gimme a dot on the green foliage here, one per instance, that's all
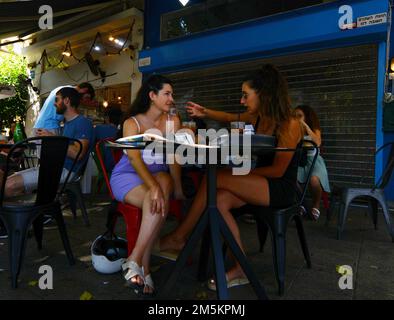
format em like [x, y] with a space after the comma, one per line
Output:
[13, 71]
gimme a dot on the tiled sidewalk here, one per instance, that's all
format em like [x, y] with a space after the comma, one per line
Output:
[369, 252]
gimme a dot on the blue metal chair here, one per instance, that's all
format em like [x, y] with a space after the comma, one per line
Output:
[374, 196]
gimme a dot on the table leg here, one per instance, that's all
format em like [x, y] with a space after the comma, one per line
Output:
[184, 254]
[217, 227]
[220, 272]
[240, 257]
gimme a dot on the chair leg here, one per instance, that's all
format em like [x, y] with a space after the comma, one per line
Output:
[100, 183]
[72, 201]
[373, 211]
[331, 208]
[77, 196]
[17, 233]
[278, 233]
[343, 210]
[262, 232]
[58, 215]
[304, 244]
[38, 230]
[279, 253]
[326, 203]
[386, 215]
[81, 203]
[112, 217]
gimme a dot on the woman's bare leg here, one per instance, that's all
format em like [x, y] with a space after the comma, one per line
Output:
[250, 188]
[316, 191]
[226, 202]
[166, 184]
[176, 239]
[150, 224]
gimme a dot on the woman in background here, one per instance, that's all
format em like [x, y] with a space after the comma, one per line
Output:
[319, 177]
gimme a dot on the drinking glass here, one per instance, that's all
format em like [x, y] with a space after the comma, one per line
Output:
[237, 127]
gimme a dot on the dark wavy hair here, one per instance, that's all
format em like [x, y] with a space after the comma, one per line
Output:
[311, 118]
[273, 92]
[142, 101]
[72, 94]
[90, 88]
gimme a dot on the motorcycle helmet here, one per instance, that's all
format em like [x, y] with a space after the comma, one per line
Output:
[108, 254]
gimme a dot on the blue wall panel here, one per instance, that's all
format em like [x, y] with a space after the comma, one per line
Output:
[300, 30]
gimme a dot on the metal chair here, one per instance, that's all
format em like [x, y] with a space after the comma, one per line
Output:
[276, 221]
[374, 196]
[75, 195]
[18, 215]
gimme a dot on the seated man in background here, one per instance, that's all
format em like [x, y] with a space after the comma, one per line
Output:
[49, 119]
[76, 126]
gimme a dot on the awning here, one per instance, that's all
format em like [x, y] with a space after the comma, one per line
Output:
[20, 18]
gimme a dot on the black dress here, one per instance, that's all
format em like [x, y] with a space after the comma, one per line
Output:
[283, 190]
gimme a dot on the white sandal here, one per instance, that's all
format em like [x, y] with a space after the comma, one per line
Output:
[132, 269]
[148, 282]
[315, 213]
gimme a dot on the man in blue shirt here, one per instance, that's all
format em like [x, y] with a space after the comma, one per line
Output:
[76, 126]
[109, 129]
[48, 118]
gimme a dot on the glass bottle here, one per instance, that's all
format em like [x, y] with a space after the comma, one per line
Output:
[18, 133]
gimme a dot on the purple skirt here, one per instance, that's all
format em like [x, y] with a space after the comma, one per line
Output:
[124, 178]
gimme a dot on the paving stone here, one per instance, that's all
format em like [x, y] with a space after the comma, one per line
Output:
[368, 251]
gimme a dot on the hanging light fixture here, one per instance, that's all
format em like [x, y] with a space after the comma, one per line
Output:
[67, 50]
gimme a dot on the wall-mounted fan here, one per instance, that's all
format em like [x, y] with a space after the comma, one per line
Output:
[94, 66]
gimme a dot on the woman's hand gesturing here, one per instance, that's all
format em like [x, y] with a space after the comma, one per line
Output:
[195, 110]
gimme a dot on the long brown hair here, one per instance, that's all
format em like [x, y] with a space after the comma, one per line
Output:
[311, 118]
[275, 107]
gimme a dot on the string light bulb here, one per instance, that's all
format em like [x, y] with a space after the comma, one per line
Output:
[67, 50]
